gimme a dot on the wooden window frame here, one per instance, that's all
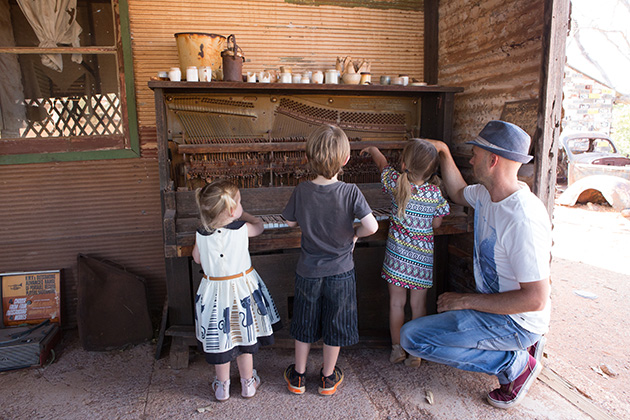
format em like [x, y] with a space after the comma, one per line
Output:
[115, 147]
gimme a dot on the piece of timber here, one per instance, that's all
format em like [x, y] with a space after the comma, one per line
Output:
[277, 238]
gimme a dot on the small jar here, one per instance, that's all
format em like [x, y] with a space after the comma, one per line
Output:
[251, 77]
[305, 79]
[286, 77]
[205, 73]
[366, 79]
[404, 78]
[192, 75]
[386, 80]
[297, 78]
[332, 76]
[318, 77]
[175, 74]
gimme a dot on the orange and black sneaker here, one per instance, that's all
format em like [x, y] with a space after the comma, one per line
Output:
[329, 384]
[296, 382]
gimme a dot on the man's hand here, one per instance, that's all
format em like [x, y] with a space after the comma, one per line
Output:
[451, 301]
[530, 297]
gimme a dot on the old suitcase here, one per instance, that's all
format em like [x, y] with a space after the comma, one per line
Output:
[22, 347]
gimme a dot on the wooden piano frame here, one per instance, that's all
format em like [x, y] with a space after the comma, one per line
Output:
[275, 252]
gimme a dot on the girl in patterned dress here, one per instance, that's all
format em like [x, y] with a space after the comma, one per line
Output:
[234, 312]
[417, 209]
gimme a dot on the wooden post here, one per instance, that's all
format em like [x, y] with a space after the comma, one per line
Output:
[550, 110]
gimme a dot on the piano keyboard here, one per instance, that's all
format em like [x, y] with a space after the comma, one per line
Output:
[276, 221]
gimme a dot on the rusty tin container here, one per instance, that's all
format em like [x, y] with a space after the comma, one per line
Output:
[232, 61]
[200, 49]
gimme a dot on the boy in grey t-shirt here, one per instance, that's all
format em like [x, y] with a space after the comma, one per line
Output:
[325, 304]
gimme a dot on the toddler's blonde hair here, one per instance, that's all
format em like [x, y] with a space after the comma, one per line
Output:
[213, 200]
[421, 163]
[327, 149]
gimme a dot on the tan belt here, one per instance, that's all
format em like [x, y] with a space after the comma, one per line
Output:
[235, 276]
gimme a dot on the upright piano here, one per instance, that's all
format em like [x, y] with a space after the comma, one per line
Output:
[254, 134]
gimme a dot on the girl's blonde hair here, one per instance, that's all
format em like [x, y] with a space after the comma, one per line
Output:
[327, 149]
[213, 200]
[421, 163]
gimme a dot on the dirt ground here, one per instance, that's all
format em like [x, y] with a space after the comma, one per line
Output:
[586, 354]
[590, 331]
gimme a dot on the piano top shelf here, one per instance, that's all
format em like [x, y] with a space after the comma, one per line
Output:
[299, 88]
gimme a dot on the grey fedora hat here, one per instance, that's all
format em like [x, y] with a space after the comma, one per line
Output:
[504, 139]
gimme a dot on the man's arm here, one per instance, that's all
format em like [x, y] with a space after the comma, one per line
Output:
[451, 176]
[379, 159]
[531, 297]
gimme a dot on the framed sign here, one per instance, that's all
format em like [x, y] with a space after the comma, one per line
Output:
[30, 297]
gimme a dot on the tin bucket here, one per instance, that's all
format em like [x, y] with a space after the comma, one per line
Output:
[200, 49]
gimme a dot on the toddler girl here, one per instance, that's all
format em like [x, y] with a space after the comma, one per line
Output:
[234, 312]
[417, 208]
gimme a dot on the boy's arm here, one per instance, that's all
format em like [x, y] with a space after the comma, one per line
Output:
[379, 159]
[255, 225]
[368, 226]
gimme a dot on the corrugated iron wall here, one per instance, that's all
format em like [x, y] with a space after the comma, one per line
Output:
[303, 35]
[110, 209]
[493, 49]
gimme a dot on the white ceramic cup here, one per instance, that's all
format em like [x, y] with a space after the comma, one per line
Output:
[332, 76]
[205, 73]
[192, 75]
[264, 77]
[251, 77]
[174, 74]
[318, 77]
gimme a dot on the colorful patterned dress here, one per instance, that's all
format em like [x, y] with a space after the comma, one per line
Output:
[409, 252]
[234, 312]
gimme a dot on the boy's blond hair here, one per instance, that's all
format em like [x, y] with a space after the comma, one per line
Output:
[213, 200]
[327, 150]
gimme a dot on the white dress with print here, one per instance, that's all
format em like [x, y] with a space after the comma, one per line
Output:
[232, 313]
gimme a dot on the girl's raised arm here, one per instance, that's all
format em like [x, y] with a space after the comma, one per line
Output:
[255, 224]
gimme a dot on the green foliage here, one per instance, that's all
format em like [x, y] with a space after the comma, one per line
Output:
[621, 127]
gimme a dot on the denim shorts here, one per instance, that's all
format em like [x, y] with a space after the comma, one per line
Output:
[326, 307]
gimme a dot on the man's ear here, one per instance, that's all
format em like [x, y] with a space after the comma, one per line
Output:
[347, 159]
[494, 160]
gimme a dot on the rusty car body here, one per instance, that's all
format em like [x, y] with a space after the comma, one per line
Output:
[583, 154]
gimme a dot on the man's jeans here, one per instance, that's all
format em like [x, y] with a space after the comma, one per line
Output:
[470, 340]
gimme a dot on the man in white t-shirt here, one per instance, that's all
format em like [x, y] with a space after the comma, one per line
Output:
[498, 330]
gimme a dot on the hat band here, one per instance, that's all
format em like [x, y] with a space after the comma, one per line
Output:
[486, 143]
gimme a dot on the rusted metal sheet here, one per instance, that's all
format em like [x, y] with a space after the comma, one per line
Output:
[109, 209]
[493, 49]
[276, 33]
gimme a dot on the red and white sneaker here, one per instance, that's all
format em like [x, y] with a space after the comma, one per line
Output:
[509, 395]
[537, 349]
